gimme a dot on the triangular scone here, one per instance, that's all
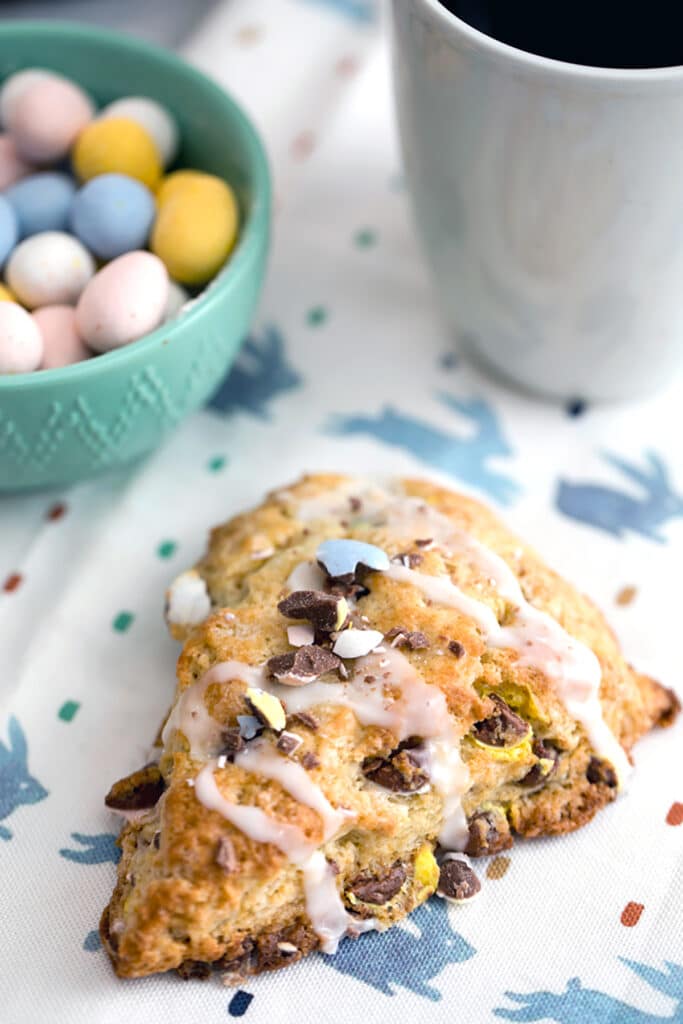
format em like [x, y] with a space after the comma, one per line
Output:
[304, 794]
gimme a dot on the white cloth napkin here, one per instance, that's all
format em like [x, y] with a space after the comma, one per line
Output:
[349, 368]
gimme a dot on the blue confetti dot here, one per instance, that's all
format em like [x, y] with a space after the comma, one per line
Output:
[575, 408]
[239, 1004]
[92, 942]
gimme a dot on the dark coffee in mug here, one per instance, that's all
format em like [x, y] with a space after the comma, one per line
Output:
[599, 33]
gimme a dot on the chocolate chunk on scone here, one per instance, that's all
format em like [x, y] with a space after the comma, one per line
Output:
[375, 683]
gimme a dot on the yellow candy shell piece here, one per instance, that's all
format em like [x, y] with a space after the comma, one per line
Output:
[426, 869]
[116, 145]
[5, 294]
[194, 232]
[187, 181]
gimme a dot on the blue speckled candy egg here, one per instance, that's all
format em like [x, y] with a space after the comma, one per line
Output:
[112, 214]
[9, 229]
[42, 202]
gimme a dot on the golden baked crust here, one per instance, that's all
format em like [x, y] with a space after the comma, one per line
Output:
[193, 889]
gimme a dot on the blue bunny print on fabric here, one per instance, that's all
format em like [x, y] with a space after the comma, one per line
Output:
[397, 958]
[96, 849]
[579, 1005]
[260, 373]
[17, 785]
[462, 456]
[616, 511]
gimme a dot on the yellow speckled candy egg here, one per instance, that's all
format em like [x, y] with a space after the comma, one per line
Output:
[196, 226]
[117, 145]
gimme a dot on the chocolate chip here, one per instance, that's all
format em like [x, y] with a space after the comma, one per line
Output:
[197, 970]
[414, 639]
[355, 503]
[601, 773]
[425, 542]
[303, 665]
[309, 760]
[457, 880]
[249, 726]
[401, 771]
[139, 791]
[377, 888]
[353, 589]
[324, 611]
[225, 855]
[232, 742]
[548, 757]
[305, 718]
[156, 841]
[489, 832]
[456, 648]
[409, 559]
[502, 729]
[288, 742]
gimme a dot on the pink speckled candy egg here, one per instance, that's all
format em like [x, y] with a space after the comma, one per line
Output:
[15, 85]
[46, 118]
[21, 343]
[63, 344]
[12, 167]
[123, 301]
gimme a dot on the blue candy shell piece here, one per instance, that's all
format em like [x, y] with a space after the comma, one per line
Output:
[112, 214]
[42, 202]
[9, 229]
[340, 557]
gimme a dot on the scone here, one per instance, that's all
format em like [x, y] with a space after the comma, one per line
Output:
[376, 683]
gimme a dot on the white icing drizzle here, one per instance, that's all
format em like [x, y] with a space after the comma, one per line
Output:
[188, 599]
[324, 905]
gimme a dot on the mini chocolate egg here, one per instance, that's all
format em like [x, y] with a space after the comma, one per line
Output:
[42, 202]
[9, 229]
[15, 85]
[62, 344]
[177, 297]
[196, 226]
[117, 145]
[49, 269]
[46, 118]
[12, 167]
[125, 300]
[155, 119]
[21, 343]
[6, 294]
[112, 214]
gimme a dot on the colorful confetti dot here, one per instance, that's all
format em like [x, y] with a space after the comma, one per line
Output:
[68, 710]
[497, 867]
[448, 360]
[347, 66]
[316, 315]
[13, 582]
[123, 621]
[167, 549]
[55, 512]
[249, 35]
[626, 595]
[92, 942]
[303, 145]
[217, 463]
[239, 1004]
[365, 238]
[577, 407]
[675, 814]
[630, 915]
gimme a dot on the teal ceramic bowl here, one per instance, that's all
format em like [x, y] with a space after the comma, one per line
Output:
[60, 426]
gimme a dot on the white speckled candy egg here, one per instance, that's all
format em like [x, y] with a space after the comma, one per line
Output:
[155, 119]
[12, 167]
[63, 344]
[15, 85]
[49, 269]
[46, 118]
[124, 301]
[21, 343]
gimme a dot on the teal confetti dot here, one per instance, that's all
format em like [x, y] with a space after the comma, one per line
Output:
[92, 942]
[167, 549]
[123, 622]
[365, 238]
[316, 315]
[68, 710]
[217, 463]
[239, 1004]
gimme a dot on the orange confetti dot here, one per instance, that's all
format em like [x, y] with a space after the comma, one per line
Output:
[630, 915]
[56, 512]
[12, 583]
[675, 815]
[626, 596]
[497, 867]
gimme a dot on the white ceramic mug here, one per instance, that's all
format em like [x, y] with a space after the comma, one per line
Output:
[550, 199]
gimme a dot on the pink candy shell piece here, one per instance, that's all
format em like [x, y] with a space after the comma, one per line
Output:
[21, 343]
[63, 344]
[12, 167]
[47, 117]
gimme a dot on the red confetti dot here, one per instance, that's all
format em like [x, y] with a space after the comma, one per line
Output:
[303, 145]
[675, 815]
[12, 583]
[347, 66]
[56, 512]
[630, 915]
